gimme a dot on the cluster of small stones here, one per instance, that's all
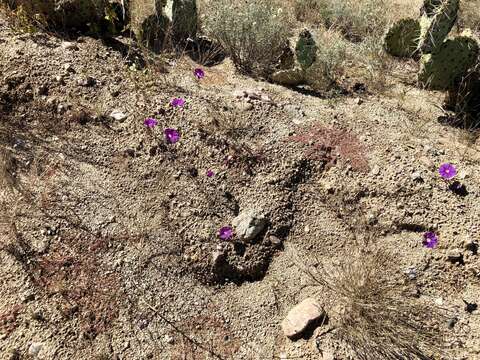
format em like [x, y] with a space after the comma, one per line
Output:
[443, 62]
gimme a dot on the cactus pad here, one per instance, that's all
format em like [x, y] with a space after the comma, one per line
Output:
[402, 38]
[447, 65]
[435, 28]
[306, 49]
[430, 6]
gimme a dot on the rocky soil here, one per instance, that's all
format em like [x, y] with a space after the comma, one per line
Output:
[110, 234]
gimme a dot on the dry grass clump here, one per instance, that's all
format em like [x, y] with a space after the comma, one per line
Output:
[469, 16]
[355, 30]
[253, 33]
[356, 20]
[368, 62]
[331, 58]
[375, 313]
[21, 19]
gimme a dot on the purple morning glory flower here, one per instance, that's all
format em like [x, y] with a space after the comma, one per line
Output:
[430, 240]
[177, 102]
[199, 73]
[225, 233]
[171, 135]
[447, 171]
[210, 173]
[150, 123]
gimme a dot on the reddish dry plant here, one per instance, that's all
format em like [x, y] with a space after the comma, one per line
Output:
[330, 144]
[8, 319]
[85, 291]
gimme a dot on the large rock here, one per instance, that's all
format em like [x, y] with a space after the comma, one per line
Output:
[184, 17]
[66, 14]
[149, 22]
[248, 224]
[301, 316]
[290, 77]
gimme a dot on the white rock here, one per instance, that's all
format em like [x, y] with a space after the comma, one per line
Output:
[68, 67]
[254, 95]
[249, 223]
[375, 170]
[416, 176]
[35, 349]
[302, 315]
[118, 115]
[67, 45]
[244, 106]
[169, 339]
[239, 94]
[439, 301]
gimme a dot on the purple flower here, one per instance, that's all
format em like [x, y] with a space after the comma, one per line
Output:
[210, 173]
[225, 233]
[150, 123]
[430, 240]
[447, 171]
[177, 102]
[199, 73]
[171, 135]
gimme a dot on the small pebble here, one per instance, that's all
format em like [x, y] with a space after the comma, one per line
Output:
[67, 45]
[35, 349]
[169, 339]
[118, 115]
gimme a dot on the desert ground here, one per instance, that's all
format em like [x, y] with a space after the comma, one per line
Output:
[110, 243]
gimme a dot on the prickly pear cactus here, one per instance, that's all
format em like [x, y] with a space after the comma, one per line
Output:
[402, 38]
[436, 22]
[148, 22]
[429, 7]
[305, 56]
[183, 16]
[447, 65]
[306, 49]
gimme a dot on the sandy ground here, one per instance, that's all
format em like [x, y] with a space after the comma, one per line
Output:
[118, 229]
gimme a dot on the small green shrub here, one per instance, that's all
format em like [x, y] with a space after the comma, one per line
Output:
[253, 33]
